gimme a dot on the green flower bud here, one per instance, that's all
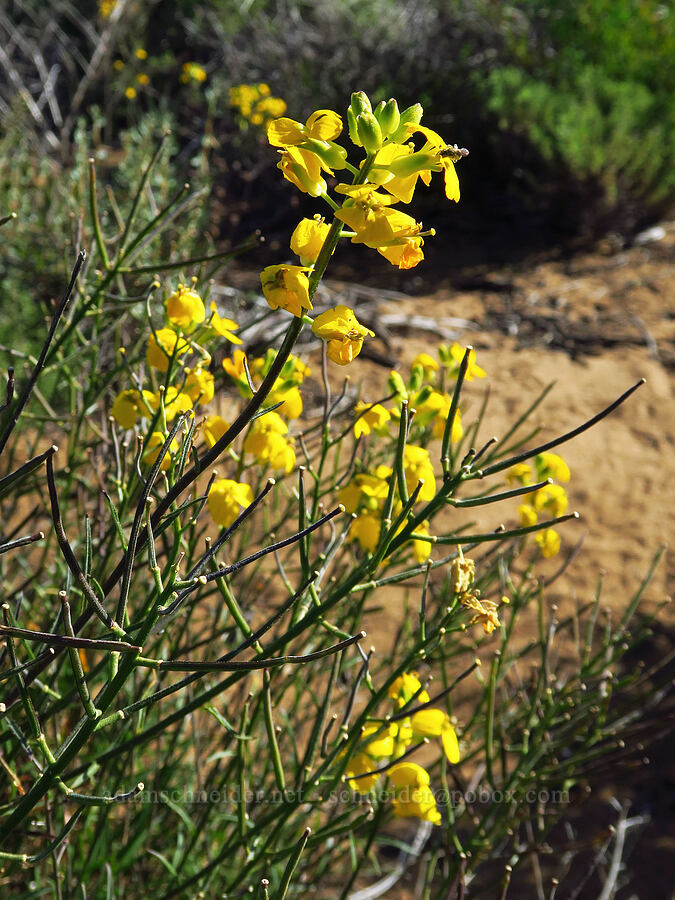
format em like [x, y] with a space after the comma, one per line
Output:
[410, 116]
[328, 152]
[369, 131]
[360, 103]
[353, 130]
[389, 117]
[416, 377]
[414, 162]
[397, 385]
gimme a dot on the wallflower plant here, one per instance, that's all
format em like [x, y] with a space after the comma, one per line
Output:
[190, 705]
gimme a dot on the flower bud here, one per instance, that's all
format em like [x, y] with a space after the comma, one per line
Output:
[369, 131]
[360, 103]
[353, 130]
[397, 385]
[389, 117]
[410, 116]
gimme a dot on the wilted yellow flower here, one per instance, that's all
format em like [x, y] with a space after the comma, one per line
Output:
[154, 445]
[549, 542]
[418, 468]
[213, 429]
[308, 238]
[462, 573]
[129, 406]
[185, 308]
[226, 500]
[224, 327]
[485, 612]
[286, 287]
[267, 441]
[343, 332]
[436, 723]
[199, 385]
[412, 795]
[375, 419]
[168, 345]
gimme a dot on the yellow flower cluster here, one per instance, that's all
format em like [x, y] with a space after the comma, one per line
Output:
[551, 499]
[192, 71]
[409, 782]
[255, 103]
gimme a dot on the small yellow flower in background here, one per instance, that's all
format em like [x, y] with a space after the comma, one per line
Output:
[421, 549]
[224, 327]
[154, 445]
[226, 500]
[375, 419]
[175, 402]
[213, 429]
[192, 71]
[199, 385]
[255, 103]
[412, 795]
[106, 7]
[118, 65]
[286, 287]
[322, 125]
[548, 542]
[433, 407]
[290, 399]
[418, 468]
[452, 357]
[130, 93]
[550, 465]
[140, 53]
[436, 723]
[427, 362]
[552, 498]
[185, 308]
[167, 345]
[343, 332]
[308, 238]
[143, 79]
[129, 406]
[462, 573]
[234, 366]
[365, 491]
[407, 686]
[528, 515]
[485, 612]
[521, 473]
[267, 442]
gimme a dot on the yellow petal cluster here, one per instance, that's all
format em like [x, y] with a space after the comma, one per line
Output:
[185, 308]
[343, 333]
[226, 500]
[286, 287]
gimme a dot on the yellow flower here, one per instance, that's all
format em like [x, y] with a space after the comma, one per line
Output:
[175, 402]
[358, 765]
[235, 369]
[521, 473]
[286, 287]
[343, 332]
[552, 498]
[421, 549]
[436, 723]
[435, 156]
[550, 465]
[454, 356]
[193, 71]
[129, 406]
[290, 399]
[412, 794]
[366, 530]
[141, 53]
[167, 345]
[308, 238]
[407, 686]
[462, 573]
[130, 93]
[322, 125]
[365, 491]
[118, 65]
[303, 169]
[143, 79]
[375, 419]
[224, 327]
[549, 542]
[226, 500]
[528, 515]
[485, 612]
[106, 7]
[267, 442]
[185, 308]
[199, 385]
[432, 406]
[213, 429]
[427, 362]
[154, 445]
[418, 468]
